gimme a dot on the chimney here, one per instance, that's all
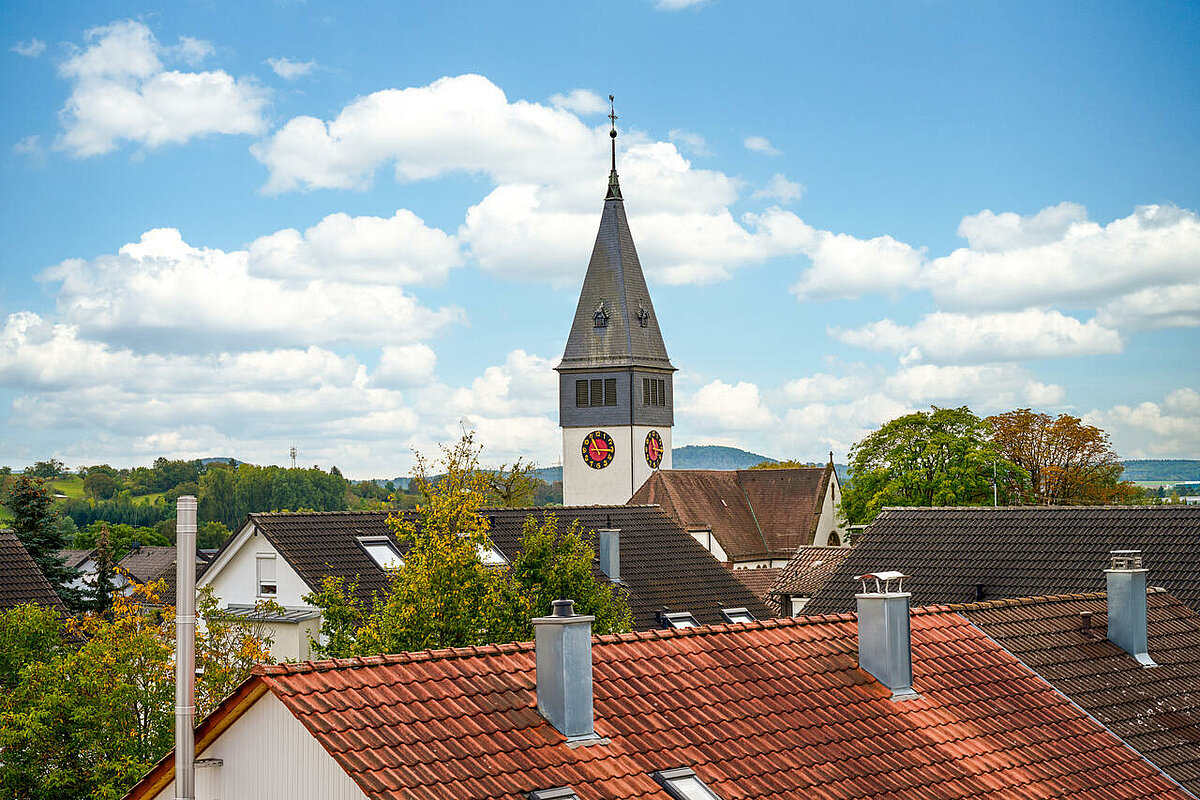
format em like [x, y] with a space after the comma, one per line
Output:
[1127, 605]
[564, 670]
[185, 647]
[884, 639]
[608, 550]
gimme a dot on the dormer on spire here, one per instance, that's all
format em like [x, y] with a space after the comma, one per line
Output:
[614, 188]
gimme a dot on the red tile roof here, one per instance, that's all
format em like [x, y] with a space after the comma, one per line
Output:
[753, 513]
[775, 708]
[1157, 710]
[807, 572]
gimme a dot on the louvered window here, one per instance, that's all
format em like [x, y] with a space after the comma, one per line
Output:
[597, 392]
[662, 393]
[610, 391]
[581, 394]
[645, 391]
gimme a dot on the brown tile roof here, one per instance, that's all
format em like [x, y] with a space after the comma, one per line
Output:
[1156, 710]
[758, 581]
[766, 709]
[809, 569]
[1018, 552]
[20, 579]
[75, 558]
[148, 562]
[661, 565]
[753, 513]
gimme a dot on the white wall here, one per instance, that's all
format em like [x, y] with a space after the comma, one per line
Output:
[237, 581]
[831, 516]
[617, 482]
[268, 755]
[709, 542]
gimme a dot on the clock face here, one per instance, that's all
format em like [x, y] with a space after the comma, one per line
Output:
[598, 449]
[654, 449]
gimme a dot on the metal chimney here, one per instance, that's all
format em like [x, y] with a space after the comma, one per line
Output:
[884, 637]
[1127, 605]
[185, 647]
[564, 670]
[608, 550]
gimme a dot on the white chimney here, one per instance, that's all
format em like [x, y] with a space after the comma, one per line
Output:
[608, 551]
[185, 647]
[884, 637]
[1127, 605]
[564, 670]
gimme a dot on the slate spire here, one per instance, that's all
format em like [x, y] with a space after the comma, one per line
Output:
[615, 324]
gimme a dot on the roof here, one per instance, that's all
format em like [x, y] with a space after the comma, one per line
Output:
[758, 581]
[765, 709]
[1156, 711]
[1018, 552]
[74, 559]
[20, 579]
[809, 569]
[148, 562]
[254, 614]
[615, 283]
[661, 565]
[753, 513]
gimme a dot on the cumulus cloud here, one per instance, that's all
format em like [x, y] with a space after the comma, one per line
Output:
[694, 143]
[580, 101]
[761, 145]
[163, 293]
[1170, 429]
[990, 232]
[289, 69]
[677, 5]
[728, 407]
[948, 338]
[1155, 307]
[121, 91]
[399, 250]
[31, 49]
[781, 189]
[402, 366]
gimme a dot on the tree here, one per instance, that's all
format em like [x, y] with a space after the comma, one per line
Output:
[34, 522]
[218, 496]
[100, 485]
[936, 458]
[511, 487]
[444, 595]
[1067, 461]
[789, 464]
[51, 468]
[101, 593]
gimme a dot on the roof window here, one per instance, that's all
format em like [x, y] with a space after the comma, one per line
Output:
[561, 793]
[679, 619]
[737, 615]
[382, 551]
[684, 784]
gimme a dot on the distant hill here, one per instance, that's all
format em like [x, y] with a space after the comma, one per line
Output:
[712, 456]
[1161, 469]
[221, 460]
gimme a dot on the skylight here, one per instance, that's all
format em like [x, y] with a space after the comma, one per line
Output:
[679, 619]
[561, 793]
[382, 551]
[684, 784]
[737, 615]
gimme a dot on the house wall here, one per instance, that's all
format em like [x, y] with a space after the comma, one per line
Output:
[617, 482]
[289, 641]
[237, 581]
[709, 542]
[831, 516]
[267, 755]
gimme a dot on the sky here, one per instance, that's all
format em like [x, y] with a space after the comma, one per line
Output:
[360, 229]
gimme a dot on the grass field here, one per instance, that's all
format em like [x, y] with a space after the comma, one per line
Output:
[70, 485]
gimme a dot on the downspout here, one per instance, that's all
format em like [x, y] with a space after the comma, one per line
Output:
[185, 648]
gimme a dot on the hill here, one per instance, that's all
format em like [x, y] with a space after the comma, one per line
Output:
[1161, 469]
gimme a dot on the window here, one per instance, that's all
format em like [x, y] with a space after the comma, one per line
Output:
[266, 576]
[382, 551]
[662, 392]
[737, 615]
[798, 604]
[596, 392]
[645, 391]
[654, 392]
[679, 619]
[561, 793]
[684, 784]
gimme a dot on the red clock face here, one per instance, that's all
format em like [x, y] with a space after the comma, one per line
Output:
[598, 449]
[654, 449]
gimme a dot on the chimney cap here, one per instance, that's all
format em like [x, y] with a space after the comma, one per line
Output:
[1126, 559]
[883, 581]
[563, 608]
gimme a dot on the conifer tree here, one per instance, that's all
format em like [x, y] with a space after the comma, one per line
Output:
[34, 521]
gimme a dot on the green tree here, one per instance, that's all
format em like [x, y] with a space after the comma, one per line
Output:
[218, 496]
[120, 537]
[100, 485]
[100, 598]
[34, 522]
[51, 468]
[937, 458]
[511, 486]
[28, 633]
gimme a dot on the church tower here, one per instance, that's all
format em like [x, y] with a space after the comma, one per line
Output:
[616, 404]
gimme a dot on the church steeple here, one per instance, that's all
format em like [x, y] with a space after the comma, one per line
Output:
[614, 188]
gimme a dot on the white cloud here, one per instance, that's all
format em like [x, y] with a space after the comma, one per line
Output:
[760, 144]
[121, 91]
[290, 70]
[781, 189]
[580, 101]
[694, 143]
[162, 293]
[986, 388]
[1157, 307]
[725, 407]
[677, 5]
[192, 51]
[845, 266]
[29, 146]
[991, 232]
[947, 338]
[31, 49]
[398, 251]
[1170, 429]
[402, 366]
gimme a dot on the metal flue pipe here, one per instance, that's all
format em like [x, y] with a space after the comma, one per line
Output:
[185, 648]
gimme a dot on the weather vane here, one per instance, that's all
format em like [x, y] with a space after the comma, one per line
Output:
[612, 115]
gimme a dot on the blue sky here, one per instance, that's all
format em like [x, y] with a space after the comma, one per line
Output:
[232, 228]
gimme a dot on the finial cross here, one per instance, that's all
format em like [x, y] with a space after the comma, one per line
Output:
[612, 112]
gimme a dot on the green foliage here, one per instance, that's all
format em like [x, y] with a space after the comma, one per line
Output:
[100, 485]
[35, 523]
[511, 486]
[228, 495]
[937, 458]
[444, 595]
[789, 464]
[120, 538]
[28, 633]
[50, 468]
